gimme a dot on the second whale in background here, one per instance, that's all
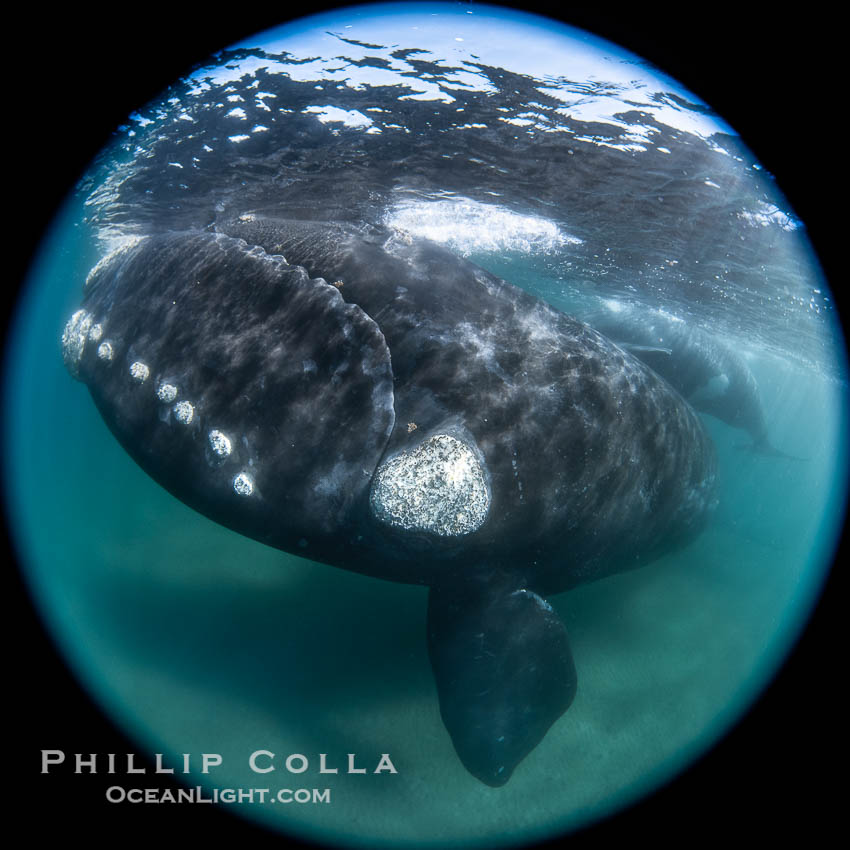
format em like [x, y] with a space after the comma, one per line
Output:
[710, 375]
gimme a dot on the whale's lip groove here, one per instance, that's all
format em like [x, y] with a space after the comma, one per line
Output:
[349, 308]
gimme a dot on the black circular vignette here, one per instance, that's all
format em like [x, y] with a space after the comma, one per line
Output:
[73, 76]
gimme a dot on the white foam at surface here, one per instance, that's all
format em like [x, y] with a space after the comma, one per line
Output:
[469, 226]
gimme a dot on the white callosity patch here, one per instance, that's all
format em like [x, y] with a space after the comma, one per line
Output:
[220, 443]
[438, 487]
[139, 371]
[184, 412]
[74, 338]
[118, 245]
[105, 351]
[95, 332]
[243, 485]
[166, 392]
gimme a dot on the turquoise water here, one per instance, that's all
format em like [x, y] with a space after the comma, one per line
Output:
[199, 640]
[196, 640]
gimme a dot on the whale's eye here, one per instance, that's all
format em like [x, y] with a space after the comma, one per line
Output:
[439, 487]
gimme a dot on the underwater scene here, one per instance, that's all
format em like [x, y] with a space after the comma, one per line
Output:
[451, 414]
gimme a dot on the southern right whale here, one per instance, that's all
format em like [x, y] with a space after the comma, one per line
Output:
[368, 400]
[712, 377]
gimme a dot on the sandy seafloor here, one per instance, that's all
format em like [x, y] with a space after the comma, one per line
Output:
[198, 640]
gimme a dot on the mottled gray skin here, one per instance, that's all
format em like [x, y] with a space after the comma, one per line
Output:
[713, 378]
[330, 357]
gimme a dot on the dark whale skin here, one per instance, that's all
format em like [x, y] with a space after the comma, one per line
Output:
[713, 378]
[322, 354]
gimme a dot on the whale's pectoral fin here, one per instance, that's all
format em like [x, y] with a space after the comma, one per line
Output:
[504, 674]
[763, 447]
